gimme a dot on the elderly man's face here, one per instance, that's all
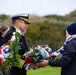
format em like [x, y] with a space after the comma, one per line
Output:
[23, 26]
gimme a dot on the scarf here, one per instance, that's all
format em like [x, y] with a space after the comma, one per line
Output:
[61, 50]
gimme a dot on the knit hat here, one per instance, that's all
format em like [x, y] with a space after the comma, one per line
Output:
[71, 29]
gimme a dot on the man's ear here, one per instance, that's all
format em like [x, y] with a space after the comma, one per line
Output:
[18, 22]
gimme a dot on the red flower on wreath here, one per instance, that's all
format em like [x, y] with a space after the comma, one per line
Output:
[7, 43]
[48, 52]
[11, 36]
[0, 50]
[29, 59]
[1, 60]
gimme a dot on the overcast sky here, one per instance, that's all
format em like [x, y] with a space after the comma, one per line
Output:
[37, 7]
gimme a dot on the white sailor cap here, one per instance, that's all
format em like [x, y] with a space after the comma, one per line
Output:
[22, 16]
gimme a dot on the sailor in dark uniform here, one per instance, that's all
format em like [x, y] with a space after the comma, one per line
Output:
[19, 22]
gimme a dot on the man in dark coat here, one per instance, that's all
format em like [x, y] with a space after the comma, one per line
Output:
[20, 23]
[68, 60]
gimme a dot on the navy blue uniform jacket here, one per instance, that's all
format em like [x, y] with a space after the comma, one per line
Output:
[68, 60]
[24, 48]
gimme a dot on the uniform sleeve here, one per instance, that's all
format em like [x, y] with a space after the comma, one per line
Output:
[68, 55]
[23, 65]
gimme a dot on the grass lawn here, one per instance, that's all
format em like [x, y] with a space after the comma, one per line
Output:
[45, 71]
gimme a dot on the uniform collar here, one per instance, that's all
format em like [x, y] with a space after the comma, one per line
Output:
[18, 30]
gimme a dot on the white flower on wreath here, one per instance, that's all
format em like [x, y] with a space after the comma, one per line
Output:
[17, 30]
[1, 56]
[13, 37]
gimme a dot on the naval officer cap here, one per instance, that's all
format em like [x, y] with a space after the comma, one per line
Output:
[23, 16]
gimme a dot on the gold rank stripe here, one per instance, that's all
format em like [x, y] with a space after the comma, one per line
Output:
[23, 18]
[21, 63]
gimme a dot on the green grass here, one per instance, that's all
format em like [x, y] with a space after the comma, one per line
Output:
[44, 71]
